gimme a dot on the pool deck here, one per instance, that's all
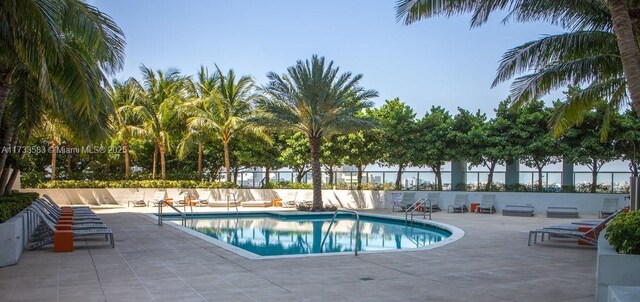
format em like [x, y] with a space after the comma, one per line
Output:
[492, 262]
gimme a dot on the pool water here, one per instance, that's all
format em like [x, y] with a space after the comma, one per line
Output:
[271, 234]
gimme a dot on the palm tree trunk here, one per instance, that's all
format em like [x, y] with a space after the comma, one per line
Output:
[316, 173]
[125, 148]
[4, 90]
[12, 179]
[199, 161]
[399, 177]
[54, 154]
[155, 161]
[6, 143]
[4, 177]
[161, 149]
[67, 165]
[227, 161]
[267, 170]
[627, 44]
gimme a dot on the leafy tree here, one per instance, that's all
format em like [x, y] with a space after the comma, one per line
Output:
[531, 133]
[490, 143]
[257, 150]
[318, 101]
[296, 155]
[363, 148]
[332, 154]
[627, 137]
[431, 146]
[583, 144]
[459, 136]
[397, 128]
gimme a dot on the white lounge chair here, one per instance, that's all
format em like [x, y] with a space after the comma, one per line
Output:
[434, 198]
[459, 204]
[408, 198]
[487, 204]
[137, 200]
[158, 197]
[609, 206]
[290, 200]
[203, 199]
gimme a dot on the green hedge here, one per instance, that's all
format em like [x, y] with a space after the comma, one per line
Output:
[14, 203]
[624, 233]
[75, 184]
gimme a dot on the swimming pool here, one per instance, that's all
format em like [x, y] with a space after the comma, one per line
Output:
[280, 234]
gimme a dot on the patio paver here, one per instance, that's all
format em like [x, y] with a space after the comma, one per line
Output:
[492, 262]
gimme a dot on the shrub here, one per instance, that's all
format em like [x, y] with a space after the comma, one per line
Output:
[14, 203]
[624, 233]
[287, 185]
[74, 184]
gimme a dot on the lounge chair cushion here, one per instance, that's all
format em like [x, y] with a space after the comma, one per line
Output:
[562, 212]
[257, 203]
[223, 203]
[511, 210]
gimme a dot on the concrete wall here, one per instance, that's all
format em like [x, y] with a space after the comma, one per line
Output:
[613, 269]
[585, 202]
[14, 236]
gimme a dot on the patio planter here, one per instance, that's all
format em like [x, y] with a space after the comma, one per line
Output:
[14, 236]
[613, 269]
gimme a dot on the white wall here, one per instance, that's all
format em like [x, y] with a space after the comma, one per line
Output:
[585, 202]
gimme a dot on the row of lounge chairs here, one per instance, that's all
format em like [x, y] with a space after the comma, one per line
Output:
[586, 231]
[208, 199]
[487, 205]
[85, 223]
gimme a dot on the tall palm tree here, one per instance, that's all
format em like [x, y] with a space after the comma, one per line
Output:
[123, 120]
[616, 17]
[163, 92]
[231, 107]
[316, 100]
[203, 92]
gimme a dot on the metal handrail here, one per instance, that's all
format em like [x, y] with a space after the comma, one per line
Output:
[184, 216]
[415, 206]
[335, 214]
[235, 201]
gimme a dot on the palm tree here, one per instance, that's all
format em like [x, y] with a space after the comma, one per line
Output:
[124, 96]
[66, 45]
[199, 112]
[163, 92]
[316, 100]
[234, 107]
[615, 17]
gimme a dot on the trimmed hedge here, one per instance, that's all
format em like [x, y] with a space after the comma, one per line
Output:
[624, 233]
[14, 203]
[185, 184]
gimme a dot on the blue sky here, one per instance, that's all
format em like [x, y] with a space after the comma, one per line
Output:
[433, 62]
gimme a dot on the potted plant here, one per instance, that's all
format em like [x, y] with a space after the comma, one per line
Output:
[618, 262]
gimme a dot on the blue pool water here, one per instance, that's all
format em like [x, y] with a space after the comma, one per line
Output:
[271, 234]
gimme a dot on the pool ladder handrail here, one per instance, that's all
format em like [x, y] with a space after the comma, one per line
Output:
[335, 215]
[415, 207]
[235, 201]
[184, 216]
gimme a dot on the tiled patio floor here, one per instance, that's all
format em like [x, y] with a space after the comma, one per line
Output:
[492, 262]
